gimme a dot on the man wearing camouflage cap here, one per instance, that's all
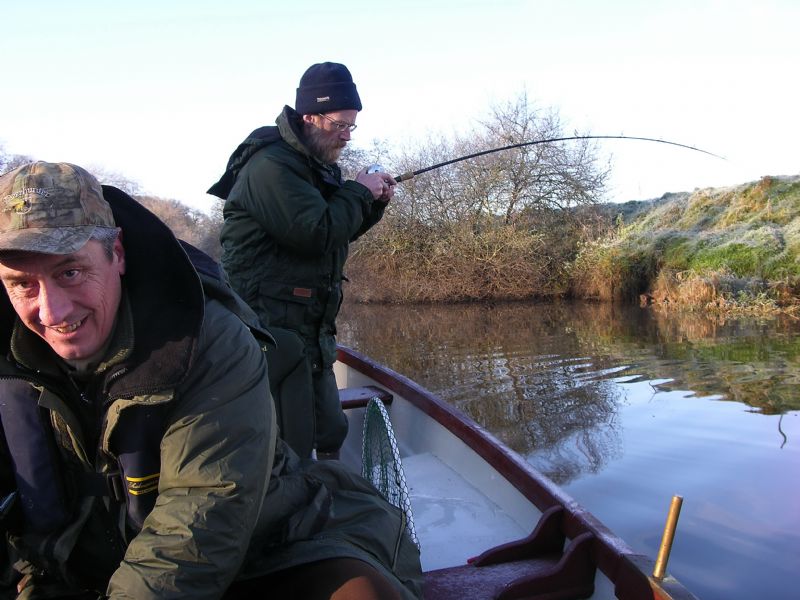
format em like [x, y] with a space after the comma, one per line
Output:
[138, 450]
[289, 219]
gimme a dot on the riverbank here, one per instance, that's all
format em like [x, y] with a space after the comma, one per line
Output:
[733, 250]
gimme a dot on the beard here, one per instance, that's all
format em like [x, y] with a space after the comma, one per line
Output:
[321, 145]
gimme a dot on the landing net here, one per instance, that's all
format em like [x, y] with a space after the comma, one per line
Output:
[380, 461]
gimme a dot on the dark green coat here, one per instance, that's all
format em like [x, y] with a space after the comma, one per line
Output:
[230, 502]
[288, 222]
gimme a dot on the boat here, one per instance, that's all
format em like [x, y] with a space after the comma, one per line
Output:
[489, 525]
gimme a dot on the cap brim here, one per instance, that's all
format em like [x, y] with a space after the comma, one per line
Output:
[47, 240]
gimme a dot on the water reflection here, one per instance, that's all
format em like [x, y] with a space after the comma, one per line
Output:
[625, 407]
[544, 377]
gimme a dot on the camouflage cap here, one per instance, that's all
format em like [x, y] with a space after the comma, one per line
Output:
[52, 208]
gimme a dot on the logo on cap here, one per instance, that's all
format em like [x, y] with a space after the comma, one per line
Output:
[324, 99]
[20, 201]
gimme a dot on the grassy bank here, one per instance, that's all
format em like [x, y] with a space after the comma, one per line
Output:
[733, 249]
[730, 250]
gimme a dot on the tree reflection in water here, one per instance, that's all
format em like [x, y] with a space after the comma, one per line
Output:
[544, 377]
[625, 407]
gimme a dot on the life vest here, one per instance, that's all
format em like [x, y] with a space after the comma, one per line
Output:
[49, 489]
[40, 488]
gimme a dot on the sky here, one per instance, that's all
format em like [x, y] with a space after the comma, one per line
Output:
[162, 91]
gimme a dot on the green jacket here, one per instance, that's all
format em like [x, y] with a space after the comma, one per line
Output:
[289, 219]
[186, 383]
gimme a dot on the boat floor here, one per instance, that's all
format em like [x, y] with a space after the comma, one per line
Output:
[456, 522]
[453, 520]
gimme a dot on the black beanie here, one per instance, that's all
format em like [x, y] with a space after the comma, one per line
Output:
[326, 87]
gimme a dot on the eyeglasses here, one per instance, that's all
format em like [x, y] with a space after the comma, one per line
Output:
[339, 125]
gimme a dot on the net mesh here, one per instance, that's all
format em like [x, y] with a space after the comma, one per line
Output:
[380, 461]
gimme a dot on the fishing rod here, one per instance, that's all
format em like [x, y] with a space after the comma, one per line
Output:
[411, 174]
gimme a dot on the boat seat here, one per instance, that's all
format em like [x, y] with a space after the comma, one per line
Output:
[358, 397]
[547, 575]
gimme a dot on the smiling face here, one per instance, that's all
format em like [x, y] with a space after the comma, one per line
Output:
[70, 300]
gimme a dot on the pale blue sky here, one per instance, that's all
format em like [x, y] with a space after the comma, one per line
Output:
[163, 91]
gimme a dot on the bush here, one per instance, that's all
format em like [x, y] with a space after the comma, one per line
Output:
[725, 249]
[452, 264]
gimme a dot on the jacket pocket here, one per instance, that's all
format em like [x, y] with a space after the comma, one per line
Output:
[288, 305]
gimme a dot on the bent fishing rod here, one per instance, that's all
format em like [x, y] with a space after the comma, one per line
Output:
[412, 174]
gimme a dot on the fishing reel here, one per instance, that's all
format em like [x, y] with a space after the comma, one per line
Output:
[397, 178]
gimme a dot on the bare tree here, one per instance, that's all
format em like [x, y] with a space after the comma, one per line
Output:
[187, 224]
[9, 162]
[354, 158]
[497, 226]
[217, 210]
[439, 197]
[507, 184]
[118, 180]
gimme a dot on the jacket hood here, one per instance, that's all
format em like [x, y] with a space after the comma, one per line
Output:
[288, 128]
[165, 295]
[290, 125]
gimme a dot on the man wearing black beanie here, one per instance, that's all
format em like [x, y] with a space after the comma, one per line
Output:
[289, 219]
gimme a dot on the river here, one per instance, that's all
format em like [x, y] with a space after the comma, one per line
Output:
[625, 407]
